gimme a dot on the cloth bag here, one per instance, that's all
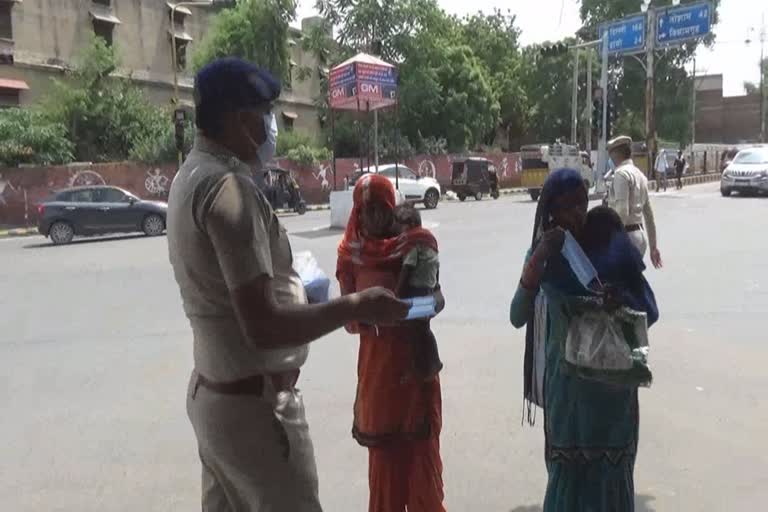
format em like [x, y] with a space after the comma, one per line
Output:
[316, 282]
[606, 345]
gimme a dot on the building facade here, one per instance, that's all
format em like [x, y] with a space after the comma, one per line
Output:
[40, 39]
[723, 119]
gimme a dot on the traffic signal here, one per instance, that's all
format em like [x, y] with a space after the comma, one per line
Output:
[597, 118]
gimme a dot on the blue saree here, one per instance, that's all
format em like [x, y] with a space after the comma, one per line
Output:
[591, 429]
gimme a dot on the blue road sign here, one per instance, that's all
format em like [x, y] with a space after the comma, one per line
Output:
[679, 24]
[626, 35]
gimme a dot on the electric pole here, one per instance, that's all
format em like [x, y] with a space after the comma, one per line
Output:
[650, 92]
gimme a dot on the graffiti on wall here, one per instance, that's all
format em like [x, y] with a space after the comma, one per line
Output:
[85, 178]
[427, 169]
[156, 183]
[322, 177]
[6, 188]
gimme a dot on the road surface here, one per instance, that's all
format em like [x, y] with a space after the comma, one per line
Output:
[95, 355]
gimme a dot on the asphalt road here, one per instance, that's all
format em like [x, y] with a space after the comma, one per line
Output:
[95, 355]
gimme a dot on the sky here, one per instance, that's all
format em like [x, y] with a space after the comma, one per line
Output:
[551, 20]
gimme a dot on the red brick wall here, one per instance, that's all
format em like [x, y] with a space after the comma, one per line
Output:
[22, 189]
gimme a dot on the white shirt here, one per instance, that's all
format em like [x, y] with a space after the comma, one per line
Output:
[661, 163]
[629, 198]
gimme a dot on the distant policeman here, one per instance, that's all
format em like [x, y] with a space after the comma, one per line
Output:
[629, 196]
[247, 307]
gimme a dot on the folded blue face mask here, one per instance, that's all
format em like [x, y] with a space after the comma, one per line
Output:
[579, 262]
[421, 307]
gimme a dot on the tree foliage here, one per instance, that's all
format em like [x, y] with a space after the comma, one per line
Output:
[105, 116]
[256, 30]
[28, 136]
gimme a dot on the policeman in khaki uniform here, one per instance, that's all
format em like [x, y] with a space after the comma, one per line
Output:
[249, 315]
[629, 197]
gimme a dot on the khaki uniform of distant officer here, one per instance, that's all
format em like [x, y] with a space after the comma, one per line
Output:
[629, 197]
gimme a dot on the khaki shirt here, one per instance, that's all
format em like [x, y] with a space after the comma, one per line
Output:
[222, 234]
[629, 197]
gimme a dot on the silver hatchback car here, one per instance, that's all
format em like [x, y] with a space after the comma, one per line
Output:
[747, 173]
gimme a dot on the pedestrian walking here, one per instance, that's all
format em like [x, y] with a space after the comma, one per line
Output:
[247, 307]
[398, 408]
[661, 168]
[590, 428]
[628, 195]
[680, 166]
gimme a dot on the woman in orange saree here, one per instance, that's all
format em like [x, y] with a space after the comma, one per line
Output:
[397, 416]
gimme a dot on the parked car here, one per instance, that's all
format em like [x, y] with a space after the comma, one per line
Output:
[88, 211]
[747, 173]
[414, 188]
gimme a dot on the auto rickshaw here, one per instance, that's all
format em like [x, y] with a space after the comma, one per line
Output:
[474, 177]
[282, 191]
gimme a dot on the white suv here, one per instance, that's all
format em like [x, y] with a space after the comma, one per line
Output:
[414, 188]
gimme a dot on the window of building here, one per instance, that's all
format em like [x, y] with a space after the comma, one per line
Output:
[288, 120]
[178, 15]
[6, 20]
[104, 30]
[9, 98]
[181, 53]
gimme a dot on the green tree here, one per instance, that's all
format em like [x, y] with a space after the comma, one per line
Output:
[446, 93]
[494, 38]
[256, 30]
[105, 115]
[27, 136]
[548, 85]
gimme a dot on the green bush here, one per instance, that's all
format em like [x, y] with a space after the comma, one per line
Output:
[161, 147]
[308, 155]
[27, 136]
[286, 141]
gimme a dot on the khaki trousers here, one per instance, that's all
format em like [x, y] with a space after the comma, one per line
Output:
[256, 452]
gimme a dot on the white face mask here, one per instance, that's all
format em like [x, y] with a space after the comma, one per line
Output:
[265, 151]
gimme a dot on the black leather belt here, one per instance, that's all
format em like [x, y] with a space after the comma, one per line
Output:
[250, 385]
[633, 227]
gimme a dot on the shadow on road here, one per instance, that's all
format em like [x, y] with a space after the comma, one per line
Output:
[81, 241]
[642, 504]
[318, 233]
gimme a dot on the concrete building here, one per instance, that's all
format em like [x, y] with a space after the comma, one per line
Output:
[39, 39]
[725, 120]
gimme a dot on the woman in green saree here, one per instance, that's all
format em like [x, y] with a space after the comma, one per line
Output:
[591, 429]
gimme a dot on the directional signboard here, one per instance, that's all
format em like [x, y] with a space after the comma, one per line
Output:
[673, 26]
[625, 36]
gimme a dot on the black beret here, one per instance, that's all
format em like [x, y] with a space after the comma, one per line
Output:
[232, 83]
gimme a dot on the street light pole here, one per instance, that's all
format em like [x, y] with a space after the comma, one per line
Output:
[174, 57]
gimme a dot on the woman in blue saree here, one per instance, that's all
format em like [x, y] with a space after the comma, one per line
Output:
[591, 429]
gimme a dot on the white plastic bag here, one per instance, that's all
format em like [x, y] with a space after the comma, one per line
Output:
[609, 346]
[315, 281]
